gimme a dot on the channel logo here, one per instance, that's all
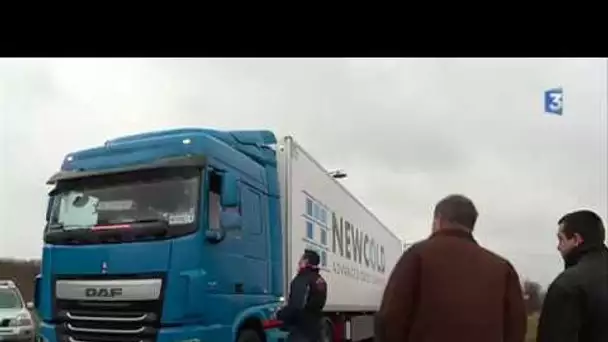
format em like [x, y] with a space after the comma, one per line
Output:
[554, 101]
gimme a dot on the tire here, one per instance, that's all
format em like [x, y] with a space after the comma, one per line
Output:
[249, 335]
[327, 331]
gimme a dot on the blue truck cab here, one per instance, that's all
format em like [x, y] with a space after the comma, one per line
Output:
[164, 236]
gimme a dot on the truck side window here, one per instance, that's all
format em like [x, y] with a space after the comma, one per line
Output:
[215, 208]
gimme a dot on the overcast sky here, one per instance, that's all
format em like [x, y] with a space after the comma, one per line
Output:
[407, 132]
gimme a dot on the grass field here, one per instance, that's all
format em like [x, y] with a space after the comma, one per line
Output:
[532, 323]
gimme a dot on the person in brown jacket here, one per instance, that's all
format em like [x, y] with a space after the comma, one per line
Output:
[449, 288]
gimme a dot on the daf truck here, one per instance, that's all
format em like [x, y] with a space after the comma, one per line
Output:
[193, 235]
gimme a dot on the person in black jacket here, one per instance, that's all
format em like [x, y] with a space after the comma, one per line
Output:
[576, 305]
[303, 314]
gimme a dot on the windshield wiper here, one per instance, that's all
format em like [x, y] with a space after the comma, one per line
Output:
[145, 220]
[58, 232]
[153, 227]
[63, 227]
[109, 232]
[136, 228]
[55, 226]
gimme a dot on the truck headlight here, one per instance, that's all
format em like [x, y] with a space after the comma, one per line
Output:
[22, 320]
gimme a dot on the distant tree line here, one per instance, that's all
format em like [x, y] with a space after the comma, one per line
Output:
[534, 296]
[22, 272]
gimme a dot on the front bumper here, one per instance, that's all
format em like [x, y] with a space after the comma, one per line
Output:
[17, 334]
[213, 333]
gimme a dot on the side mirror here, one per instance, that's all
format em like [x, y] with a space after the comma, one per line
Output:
[229, 195]
[29, 305]
[230, 220]
[215, 235]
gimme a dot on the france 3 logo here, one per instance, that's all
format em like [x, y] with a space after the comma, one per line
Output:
[554, 101]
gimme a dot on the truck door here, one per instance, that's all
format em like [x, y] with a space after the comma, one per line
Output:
[255, 241]
[242, 257]
[254, 219]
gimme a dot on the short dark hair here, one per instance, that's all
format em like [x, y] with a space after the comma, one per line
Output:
[457, 209]
[586, 223]
[312, 256]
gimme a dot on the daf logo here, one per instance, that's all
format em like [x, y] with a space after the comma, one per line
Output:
[103, 292]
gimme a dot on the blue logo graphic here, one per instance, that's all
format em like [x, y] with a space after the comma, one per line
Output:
[360, 257]
[554, 101]
[316, 218]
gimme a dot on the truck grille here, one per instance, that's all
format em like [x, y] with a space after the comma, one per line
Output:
[83, 321]
[107, 321]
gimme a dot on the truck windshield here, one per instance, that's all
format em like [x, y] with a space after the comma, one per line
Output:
[132, 198]
[9, 299]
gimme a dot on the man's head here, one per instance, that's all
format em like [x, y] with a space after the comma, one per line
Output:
[455, 211]
[309, 259]
[578, 228]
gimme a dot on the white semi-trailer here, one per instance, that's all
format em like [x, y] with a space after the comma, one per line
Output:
[357, 251]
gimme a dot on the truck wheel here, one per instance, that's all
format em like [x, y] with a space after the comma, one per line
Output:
[248, 335]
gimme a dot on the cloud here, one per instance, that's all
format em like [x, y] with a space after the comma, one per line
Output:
[407, 131]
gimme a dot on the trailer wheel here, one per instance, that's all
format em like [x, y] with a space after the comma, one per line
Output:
[249, 335]
[327, 331]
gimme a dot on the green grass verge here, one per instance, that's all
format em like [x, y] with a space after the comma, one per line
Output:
[532, 324]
